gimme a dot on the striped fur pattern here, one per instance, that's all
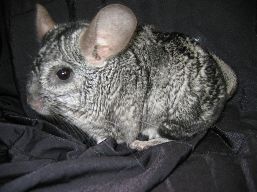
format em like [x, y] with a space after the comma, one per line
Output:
[161, 84]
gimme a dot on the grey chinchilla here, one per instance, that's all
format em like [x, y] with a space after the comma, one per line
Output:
[112, 78]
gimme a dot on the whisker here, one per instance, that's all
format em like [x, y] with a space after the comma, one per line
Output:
[73, 130]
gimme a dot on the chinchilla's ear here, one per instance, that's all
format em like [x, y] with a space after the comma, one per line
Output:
[108, 34]
[44, 22]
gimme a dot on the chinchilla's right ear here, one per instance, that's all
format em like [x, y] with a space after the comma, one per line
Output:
[44, 22]
[108, 34]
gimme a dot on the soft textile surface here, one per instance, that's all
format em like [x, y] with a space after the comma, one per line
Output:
[36, 155]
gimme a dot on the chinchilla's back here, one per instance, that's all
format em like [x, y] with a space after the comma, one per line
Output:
[187, 86]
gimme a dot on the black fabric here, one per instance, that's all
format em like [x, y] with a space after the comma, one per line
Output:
[36, 155]
[43, 158]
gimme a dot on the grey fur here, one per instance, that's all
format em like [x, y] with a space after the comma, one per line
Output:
[161, 83]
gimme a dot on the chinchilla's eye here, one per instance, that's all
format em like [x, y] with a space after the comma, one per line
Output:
[64, 73]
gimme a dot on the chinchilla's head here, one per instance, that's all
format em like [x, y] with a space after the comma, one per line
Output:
[65, 77]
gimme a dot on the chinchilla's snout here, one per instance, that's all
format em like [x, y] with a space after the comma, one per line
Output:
[35, 103]
[34, 98]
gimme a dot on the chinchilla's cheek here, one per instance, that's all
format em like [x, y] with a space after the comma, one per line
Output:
[70, 100]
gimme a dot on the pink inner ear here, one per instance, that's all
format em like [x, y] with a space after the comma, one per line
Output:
[44, 21]
[104, 51]
[108, 34]
[43, 30]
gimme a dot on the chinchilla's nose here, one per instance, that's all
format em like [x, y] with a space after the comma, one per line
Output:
[36, 103]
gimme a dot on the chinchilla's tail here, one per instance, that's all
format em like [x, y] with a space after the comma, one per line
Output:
[229, 75]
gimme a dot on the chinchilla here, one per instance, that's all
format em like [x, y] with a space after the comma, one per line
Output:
[112, 78]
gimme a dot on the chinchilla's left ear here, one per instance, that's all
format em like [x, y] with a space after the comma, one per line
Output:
[44, 22]
[108, 34]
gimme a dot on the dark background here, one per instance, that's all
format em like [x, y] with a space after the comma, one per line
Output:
[37, 155]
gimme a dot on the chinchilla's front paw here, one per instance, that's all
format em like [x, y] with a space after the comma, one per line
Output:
[142, 145]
